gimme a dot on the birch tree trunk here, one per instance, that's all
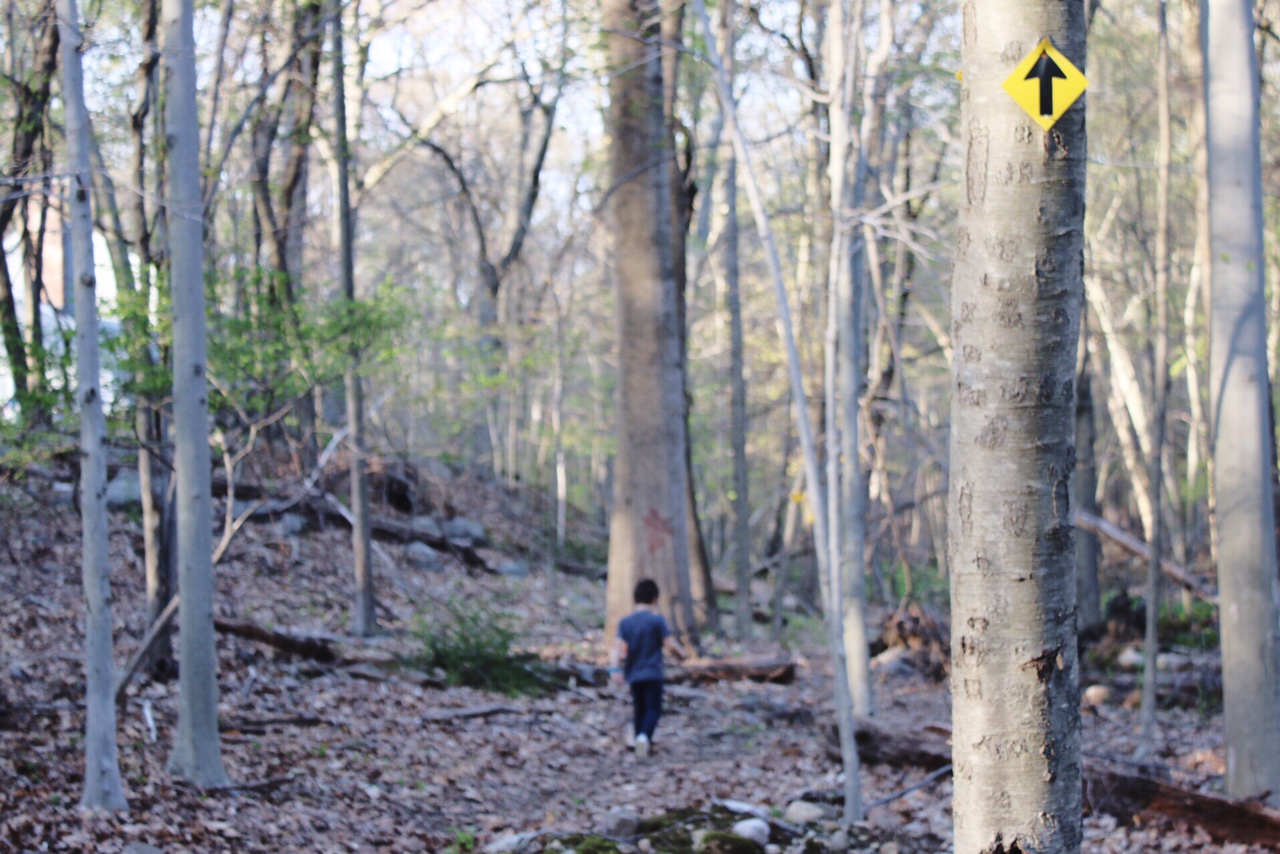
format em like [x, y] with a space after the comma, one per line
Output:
[648, 534]
[196, 750]
[1016, 301]
[364, 618]
[1240, 406]
[103, 788]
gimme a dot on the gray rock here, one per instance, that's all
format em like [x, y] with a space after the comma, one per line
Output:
[426, 526]
[620, 821]
[513, 569]
[141, 848]
[423, 556]
[755, 829]
[291, 525]
[698, 836]
[804, 812]
[124, 490]
[464, 532]
[64, 493]
[773, 849]
[838, 841]
[511, 844]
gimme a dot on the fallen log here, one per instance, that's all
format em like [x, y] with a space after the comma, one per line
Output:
[1182, 690]
[478, 712]
[382, 528]
[701, 670]
[312, 648]
[1106, 789]
[1098, 525]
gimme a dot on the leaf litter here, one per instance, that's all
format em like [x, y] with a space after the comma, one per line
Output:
[361, 756]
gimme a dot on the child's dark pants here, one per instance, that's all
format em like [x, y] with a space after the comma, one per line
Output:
[646, 695]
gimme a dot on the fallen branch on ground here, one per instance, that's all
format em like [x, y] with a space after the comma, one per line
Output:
[1106, 789]
[1132, 544]
[480, 712]
[313, 648]
[697, 670]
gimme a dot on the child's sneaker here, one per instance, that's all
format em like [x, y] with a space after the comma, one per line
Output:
[642, 745]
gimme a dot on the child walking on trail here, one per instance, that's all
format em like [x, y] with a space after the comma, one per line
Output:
[637, 657]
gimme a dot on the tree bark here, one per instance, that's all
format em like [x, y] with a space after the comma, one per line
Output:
[103, 788]
[682, 192]
[364, 617]
[1088, 591]
[648, 530]
[31, 94]
[196, 751]
[1240, 406]
[1159, 387]
[737, 381]
[1016, 299]
[813, 478]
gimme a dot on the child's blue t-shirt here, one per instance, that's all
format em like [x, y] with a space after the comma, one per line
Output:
[643, 632]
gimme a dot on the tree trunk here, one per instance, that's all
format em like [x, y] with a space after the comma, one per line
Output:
[1240, 406]
[1088, 591]
[196, 751]
[1159, 388]
[103, 788]
[1198, 283]
[31, 94]
[737, 382]
[364, 618]
[682, 191]
[648, 526]
[827, 558]
[1016, 300]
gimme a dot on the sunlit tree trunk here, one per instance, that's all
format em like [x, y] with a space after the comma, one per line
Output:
[103, 788]
[196, 750]
[1016, 301]
[648, 527]
[1240, 406]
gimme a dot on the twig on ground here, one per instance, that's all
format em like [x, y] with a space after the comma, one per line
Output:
[927, 781]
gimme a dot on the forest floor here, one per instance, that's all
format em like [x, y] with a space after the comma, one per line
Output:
[360, 757]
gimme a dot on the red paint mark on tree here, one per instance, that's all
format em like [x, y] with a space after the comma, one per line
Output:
[658, 531]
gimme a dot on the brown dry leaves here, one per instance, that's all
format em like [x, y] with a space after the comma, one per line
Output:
[337, 761]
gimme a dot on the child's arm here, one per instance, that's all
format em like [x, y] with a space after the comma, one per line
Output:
[616, 654]
[674, 647]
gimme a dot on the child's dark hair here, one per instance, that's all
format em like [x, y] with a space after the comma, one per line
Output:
[646, 592]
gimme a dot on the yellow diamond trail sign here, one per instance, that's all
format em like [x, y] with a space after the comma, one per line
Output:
[1045, 84]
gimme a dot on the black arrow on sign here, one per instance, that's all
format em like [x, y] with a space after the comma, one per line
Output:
[1045, 70]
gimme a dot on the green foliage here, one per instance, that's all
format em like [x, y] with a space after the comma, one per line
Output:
[1195, 630]
[474, 649]
[266, 352]
[464, 840]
